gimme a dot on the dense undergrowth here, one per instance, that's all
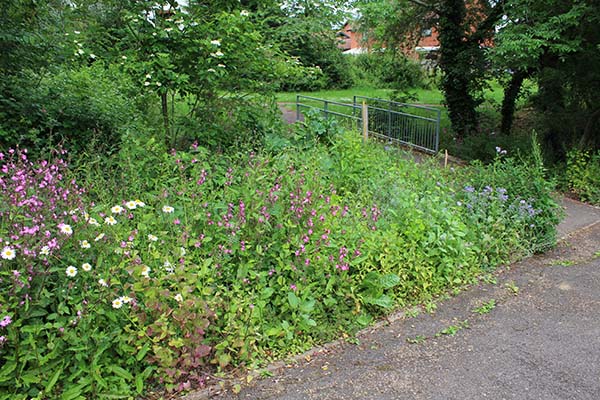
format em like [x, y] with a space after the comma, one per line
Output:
[175, 265]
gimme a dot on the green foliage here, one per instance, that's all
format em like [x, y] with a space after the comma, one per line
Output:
[519, 187]
[318, 129]
[313, 44]
[191, 262]
[296, 77]
[486, 307]
[83, 108]
[386, 69]
[555, 41]
[483, 146]
[582, 175]
[82, 314]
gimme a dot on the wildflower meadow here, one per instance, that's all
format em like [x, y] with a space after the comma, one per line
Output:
[193, 264]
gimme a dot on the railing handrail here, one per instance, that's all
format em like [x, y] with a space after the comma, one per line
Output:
[298, 97]
[398, 103]
[401, 113]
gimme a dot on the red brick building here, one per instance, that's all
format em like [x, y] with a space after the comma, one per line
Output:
[351, 41]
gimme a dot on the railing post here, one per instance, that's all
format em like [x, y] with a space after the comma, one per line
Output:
[365, 118]
[325, 110]
[297, 108]
[437, 131]
[389, 130]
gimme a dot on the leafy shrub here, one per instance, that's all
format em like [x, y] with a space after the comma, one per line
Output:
[232, 124]
[295, 77]
[386, 69]
[311, 42]
[583, 175]
[521, 184]
[84, 108]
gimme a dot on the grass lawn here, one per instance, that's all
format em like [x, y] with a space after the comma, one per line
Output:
[432, 96]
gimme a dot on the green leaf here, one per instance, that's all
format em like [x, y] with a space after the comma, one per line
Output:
[382, 301]
[72, 394]
[139, 384]
[274, 331]
[364, 319]
[53, 380]
[293, 300]
[140, 355]
[307, 306]
[6, 373]
[121, 372]
[388, 281]
[267, 293]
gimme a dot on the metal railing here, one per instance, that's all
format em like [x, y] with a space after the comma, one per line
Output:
[347, 115]
[409, 124]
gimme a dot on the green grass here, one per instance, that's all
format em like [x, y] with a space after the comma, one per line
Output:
[424, 96]
[433, 95]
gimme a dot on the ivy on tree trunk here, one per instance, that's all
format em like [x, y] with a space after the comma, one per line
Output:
[511, 93]
[456, 60]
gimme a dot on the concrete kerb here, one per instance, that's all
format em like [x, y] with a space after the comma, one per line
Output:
[571, 226]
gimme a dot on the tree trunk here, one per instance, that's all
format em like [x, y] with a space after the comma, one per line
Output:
[165, 113]
[457, 62]
[511, 93]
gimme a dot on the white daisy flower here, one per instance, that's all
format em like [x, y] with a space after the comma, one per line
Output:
[110, 220]
[84, 244]
[92, 221]
[139, 203]
[99, 237]
[146, 271]
[8, 253]
[102, 282]
[117, 303]
[179, 297]
[132, 205]
[45, 251]
[168, 209]
[71, 271]
[65, 229]
[152, 238]
[117, 210]
[126, 299]
[87, 267]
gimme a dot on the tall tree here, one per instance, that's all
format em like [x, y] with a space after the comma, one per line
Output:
[556, 43]
[465, 28]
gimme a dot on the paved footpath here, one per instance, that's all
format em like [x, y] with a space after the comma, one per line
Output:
[540, 341]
